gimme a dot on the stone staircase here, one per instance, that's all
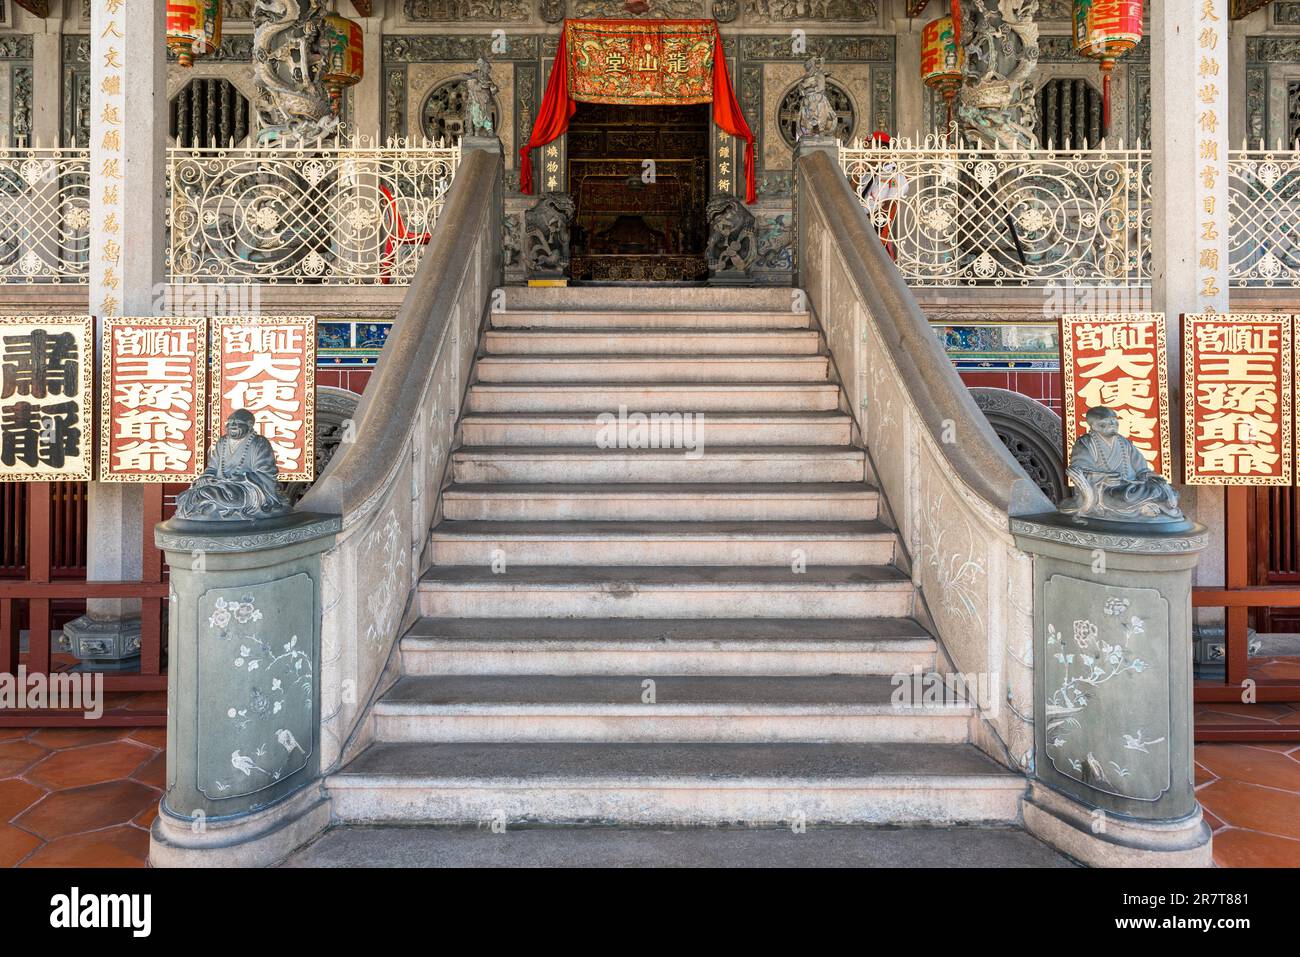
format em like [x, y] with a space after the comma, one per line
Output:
[644, 636]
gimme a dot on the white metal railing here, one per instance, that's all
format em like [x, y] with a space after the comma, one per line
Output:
[44, 215]
[954, 215]
[331, 215]
[1264, 212]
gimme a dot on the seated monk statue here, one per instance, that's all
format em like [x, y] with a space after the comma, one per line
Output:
[1112, 479]
[239, 483]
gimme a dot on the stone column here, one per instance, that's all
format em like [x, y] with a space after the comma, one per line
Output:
[1189, 232]
[47, 83]
[1113, 782]
[910, 92]
[127, 188]
[243, 701]
[368, 96]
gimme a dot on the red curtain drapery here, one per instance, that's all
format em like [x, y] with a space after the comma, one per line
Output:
[558, 108]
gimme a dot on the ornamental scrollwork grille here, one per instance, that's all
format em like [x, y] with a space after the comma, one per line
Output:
[44, 215]
[350, 215]
[958, 216]
[1264, 213]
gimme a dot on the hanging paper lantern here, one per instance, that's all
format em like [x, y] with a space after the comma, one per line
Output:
[1105, 30]
[344, 55]
[193, 28]
[941, 59]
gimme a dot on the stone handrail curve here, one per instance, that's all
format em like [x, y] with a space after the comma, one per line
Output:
[983, 461]
[950, 486]
[385, 480]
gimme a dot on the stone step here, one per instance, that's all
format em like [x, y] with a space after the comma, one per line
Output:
[751, 501]
[617, 369]
[644, 319]
[659, 298]
[561, 591]
[670, 430]
[698, 708]
[589, 465]
[658, 342]
[662, 543]
[652, 396]
[669, 784]
[666, 646]
[775, 846]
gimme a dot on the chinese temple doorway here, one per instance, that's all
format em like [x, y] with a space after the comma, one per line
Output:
[637, 222]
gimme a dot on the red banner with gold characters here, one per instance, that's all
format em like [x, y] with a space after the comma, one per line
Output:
[1119, 361]
[654, 62]
[1237, 399]
[46, 404]
[268, 366]
[152, 399]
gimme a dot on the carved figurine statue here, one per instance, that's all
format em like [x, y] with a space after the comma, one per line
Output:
[733, 238]
[480, 91]
[996, 105]
[293, 106]
[1112, 479]
[546, 234]
[816, 115]
[239, 484]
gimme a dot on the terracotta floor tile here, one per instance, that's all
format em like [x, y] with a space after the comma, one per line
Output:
[87, 809]
[56, 738]
[1211, 820]
[114, 847]
[1236, 848]
[8, 734]
[95, 764]
[146, 817]
[154, 771]
[1281, 748]
[148, 701]
[154, 737]
[1252, 765]
[17, 756]
[17, 795]
[1249, 806]
[15, 844]
[1200, 774]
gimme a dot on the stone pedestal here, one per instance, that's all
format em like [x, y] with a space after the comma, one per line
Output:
[808, 145]
[1113, 692]
[243, 708]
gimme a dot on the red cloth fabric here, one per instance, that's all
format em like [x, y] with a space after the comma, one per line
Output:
[553, 118]
[558, 108]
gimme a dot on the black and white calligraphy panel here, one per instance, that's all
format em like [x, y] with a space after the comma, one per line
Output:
[46, 405]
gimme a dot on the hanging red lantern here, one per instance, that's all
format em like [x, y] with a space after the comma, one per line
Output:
[344, 55]
[1105, 30]
[193, 28]
[941, 59]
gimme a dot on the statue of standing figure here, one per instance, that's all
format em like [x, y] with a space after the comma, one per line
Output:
[480, 93]
[816, 115]
[240, 482]
[1112, 479]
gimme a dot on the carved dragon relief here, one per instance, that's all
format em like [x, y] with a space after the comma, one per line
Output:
[293, 106]
[996, 103]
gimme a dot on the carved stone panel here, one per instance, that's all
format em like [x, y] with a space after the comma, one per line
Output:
[256, 669]
[825, 11]
[1107, 701]
[485, 11]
